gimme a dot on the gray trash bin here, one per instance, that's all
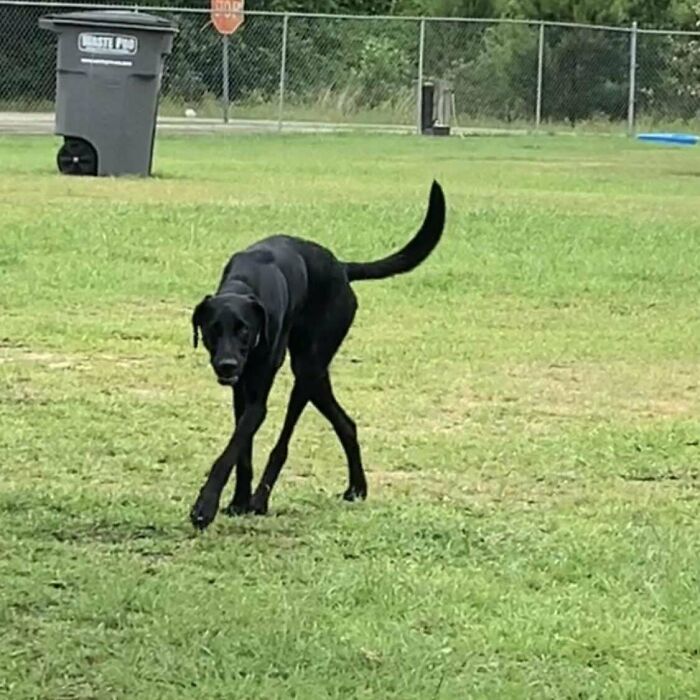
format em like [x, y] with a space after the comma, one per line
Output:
[108, 75]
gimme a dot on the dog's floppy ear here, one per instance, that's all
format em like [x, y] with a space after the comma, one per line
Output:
[198, 316]
[271, 302]
[264, 318]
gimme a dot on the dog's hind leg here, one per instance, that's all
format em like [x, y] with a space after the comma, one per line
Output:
[312, 347]
[324, 400]
[320, 392]
[297, 402]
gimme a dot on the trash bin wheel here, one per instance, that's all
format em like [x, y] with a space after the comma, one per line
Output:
[77, 157]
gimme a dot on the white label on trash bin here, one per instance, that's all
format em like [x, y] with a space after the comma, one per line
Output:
[108, 44]
[105, 62]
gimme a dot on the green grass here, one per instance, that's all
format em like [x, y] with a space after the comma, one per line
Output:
[528, 404]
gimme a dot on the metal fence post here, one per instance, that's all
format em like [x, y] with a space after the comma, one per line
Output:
[224, 58]
[633, 79]
[283, 70]
[419, 94]
[540, 70]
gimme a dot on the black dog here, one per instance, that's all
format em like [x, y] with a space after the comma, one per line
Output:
[286, 293]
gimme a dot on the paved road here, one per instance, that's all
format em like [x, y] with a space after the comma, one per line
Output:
[43, 123]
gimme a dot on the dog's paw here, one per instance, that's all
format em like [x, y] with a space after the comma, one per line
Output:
[355, 493]
[204, 511]
[233, 509]
[258, 504]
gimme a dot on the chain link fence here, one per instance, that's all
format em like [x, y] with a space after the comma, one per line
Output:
[668, 79]
[323, 70]
[586, 76]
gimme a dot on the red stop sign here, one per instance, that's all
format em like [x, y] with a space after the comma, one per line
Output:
[227, 15]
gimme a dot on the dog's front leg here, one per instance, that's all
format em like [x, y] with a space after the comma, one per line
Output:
[207, 503]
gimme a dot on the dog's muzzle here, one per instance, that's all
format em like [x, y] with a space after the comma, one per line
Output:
[227, 372]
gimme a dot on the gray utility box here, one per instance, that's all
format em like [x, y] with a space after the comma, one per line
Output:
[108, 75]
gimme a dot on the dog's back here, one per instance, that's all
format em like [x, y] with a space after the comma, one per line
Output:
[310, 270]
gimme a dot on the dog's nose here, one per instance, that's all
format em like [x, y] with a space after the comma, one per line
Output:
[227, 368]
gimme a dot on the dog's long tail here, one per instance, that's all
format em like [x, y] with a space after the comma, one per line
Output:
[414, 252]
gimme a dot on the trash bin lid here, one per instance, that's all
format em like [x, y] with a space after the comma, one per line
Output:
[125, 19]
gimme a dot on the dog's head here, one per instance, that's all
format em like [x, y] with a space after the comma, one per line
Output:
[232, 326]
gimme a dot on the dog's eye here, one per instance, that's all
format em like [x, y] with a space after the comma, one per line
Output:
[211, 335]
[243, 332]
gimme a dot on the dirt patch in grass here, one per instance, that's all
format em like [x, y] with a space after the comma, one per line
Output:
[575, 391]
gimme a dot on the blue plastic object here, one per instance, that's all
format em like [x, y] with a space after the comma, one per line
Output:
[678, 139]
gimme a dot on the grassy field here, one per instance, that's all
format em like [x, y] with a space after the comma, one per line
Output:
[528, 403]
